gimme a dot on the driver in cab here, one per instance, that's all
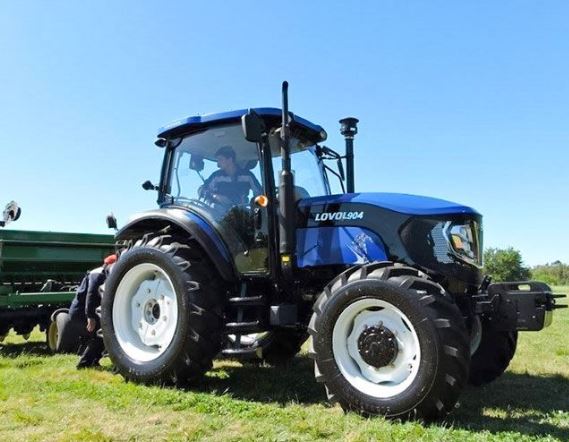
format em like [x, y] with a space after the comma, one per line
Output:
[230, 185]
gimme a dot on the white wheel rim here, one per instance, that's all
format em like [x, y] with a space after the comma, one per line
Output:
[145, 312]
[383, 382]
[52, 335]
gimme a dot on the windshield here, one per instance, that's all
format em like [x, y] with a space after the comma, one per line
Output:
[309, 177]
[309, 180]
[219, 167]
[216, 167]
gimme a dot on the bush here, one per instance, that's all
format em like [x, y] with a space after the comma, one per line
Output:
[505, 265]
[555, 273]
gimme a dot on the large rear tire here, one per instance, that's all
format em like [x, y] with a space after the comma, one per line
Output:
[386, 340]
[162, 311]
[493, 355]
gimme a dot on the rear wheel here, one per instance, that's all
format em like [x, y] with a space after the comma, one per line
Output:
[493, 355]
[162, 311]
[387, 340]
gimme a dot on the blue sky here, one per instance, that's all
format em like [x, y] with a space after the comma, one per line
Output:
[467, 101]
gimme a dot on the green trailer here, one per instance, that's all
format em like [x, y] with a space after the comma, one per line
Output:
[39, 272]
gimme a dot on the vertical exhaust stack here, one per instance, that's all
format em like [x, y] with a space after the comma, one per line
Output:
[349, 129]
[287, 220]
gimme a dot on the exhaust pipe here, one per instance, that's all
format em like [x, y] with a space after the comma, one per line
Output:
[286, 185]
[349, 129]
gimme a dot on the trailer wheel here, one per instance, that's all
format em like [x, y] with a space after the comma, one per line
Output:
[51, 335]
[493, 355]
[67, 334]
[386, 340]
[162, 311]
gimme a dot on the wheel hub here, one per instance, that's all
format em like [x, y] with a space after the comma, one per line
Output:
[377, 346]
[152, 311]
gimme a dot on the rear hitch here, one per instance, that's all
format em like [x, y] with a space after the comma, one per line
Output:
[523, 306]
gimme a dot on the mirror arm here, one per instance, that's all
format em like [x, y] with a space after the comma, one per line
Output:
[331, 152]
[338, 175]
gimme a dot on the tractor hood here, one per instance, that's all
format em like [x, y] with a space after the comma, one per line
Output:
[396, 202]
[358, 228]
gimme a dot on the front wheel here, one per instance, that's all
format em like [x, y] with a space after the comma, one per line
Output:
[162, 311]
[388, 341]
[493, 355]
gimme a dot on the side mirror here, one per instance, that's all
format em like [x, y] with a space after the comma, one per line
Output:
[147, 185]
[111, 221]
[11, 213]
[161, 142]
[253, 126]
[196, 163]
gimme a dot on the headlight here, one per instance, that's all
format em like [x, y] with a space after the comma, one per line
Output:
[465, 241]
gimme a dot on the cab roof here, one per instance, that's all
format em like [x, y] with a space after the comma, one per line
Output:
[271, 115]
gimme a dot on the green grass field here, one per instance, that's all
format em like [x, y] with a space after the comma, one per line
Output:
[43, 397]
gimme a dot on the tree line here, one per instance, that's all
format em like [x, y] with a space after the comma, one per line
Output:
[507, 265]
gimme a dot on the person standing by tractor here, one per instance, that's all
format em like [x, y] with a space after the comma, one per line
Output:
[83, 311]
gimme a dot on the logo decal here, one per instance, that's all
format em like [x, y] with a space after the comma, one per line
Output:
[359, 248]
[338, 216]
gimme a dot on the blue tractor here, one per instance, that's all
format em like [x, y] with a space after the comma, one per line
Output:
[388, 288]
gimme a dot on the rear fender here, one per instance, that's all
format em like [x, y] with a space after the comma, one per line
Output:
[195, 226]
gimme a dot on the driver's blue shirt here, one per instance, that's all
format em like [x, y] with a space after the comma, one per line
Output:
[235, 187]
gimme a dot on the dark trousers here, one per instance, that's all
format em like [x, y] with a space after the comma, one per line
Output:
[94, 345]
[94, 350]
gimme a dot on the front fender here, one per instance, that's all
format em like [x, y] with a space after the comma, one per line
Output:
[195, 226]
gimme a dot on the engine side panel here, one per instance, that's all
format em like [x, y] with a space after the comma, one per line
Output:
[321, 246]
[379, 224]
[415, 240]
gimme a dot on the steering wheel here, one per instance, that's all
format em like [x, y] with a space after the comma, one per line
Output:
[215, 200]
[197, 202]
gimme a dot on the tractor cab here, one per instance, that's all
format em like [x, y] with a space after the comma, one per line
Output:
[212, 170]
